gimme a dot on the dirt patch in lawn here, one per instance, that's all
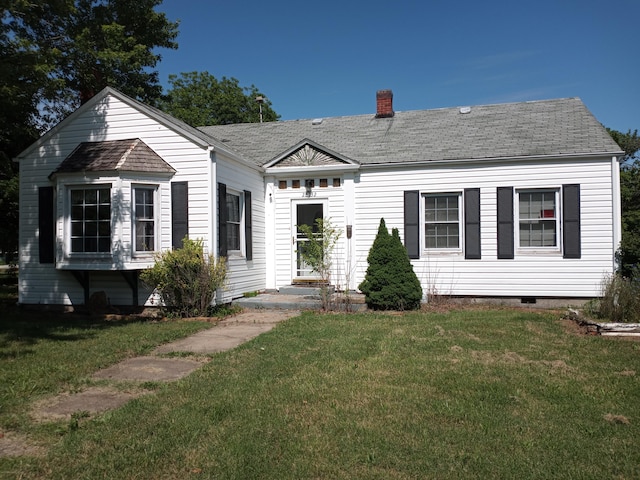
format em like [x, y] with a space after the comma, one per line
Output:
[14, 444]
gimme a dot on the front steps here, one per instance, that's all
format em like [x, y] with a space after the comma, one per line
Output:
[302, 297]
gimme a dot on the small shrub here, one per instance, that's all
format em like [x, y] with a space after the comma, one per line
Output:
[390, 282]
[317, 252]
[619, 300]
[186, 278]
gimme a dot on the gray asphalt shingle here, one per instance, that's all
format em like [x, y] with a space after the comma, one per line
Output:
[541, 128]
[131, 155]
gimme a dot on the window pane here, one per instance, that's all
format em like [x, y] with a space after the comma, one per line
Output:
[442, 221]
[91, 196]
[77, 197]
[233, 208]
[233, 236]
[144, 220]
[105, 196]
[76, 229]
[77, 212]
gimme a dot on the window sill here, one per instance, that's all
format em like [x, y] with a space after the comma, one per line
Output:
[538, 252]
[441, 253]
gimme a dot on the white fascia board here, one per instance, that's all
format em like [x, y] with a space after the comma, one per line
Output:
[230, 155]
[533, 158]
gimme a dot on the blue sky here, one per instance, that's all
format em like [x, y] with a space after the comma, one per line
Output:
[328, 58]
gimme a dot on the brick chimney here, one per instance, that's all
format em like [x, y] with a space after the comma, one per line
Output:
[384, 103]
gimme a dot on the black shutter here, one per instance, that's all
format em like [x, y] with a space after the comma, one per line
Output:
[179, 213]
[412, 223]
[248, 240]
[505, 222]
[571, 221]
[222, 220]
[472, 248]
[46, 224]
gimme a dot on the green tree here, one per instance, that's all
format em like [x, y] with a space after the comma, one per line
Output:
[55, 55]
[390, 282]
[199, 99]
[629, 253]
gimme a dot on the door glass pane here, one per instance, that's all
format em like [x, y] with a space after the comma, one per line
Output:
[306, 214]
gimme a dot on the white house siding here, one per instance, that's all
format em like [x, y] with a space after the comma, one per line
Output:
[245, 275]
[380, 194]
[109, 119]
[281, 212]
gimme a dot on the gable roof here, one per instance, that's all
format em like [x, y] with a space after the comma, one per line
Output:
[553, 128]
[195, 135]
[132, 155]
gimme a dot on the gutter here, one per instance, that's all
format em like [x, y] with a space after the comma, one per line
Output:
[422, 163]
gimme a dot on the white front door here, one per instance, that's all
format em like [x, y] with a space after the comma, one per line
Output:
[304, 213]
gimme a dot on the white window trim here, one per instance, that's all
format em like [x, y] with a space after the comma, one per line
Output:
[423, 234]
[156, 220]
[555, 250]
[241, 230]
[69, 187]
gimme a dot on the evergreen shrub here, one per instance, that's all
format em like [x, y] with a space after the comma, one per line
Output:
[390, 282]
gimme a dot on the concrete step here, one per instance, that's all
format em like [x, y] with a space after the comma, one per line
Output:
[304, 290]
[281, 301]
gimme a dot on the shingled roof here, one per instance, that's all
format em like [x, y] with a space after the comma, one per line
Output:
[562, 127]
[132, 155]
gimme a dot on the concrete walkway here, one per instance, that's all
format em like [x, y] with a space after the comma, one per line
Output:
[226, 335]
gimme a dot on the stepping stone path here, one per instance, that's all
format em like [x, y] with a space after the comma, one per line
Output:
[226, 335]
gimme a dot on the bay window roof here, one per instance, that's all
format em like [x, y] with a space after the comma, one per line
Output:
[131, 155]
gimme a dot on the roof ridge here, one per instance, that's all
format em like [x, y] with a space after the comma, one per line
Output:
[126, 154]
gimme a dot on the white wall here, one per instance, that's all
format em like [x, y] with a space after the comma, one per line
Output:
[110, 119]
[380, 194]
[279, 211]
[245, 275]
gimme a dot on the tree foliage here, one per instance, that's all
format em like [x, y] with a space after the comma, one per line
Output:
[186, 278]
[55, 55]
[390, 282]
[629, 253]
[199, 98]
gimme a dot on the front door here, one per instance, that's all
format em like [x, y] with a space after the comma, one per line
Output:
[304, 213]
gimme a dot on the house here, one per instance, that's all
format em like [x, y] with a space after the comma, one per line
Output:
[518, 200]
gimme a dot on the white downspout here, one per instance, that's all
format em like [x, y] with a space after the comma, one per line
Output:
[617, 206]
[213, 193]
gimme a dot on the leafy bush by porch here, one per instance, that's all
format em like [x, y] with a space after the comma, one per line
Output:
[186, 278]
[390, 282]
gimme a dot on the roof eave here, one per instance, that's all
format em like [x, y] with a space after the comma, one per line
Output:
[496, 159]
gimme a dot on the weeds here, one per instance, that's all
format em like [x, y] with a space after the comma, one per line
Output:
[619, 300]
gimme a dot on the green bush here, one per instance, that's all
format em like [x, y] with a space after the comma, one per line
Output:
[186, 278]
[390, 282]
[619, 301]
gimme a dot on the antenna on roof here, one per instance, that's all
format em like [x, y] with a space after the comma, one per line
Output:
[260, 101]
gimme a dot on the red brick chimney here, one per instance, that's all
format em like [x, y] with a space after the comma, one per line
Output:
[384, 103]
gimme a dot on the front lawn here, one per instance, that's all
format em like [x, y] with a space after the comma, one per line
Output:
[485, 393]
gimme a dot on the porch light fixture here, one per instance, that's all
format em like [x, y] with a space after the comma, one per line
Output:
[308, 185]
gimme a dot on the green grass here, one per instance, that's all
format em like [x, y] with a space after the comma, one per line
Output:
[462, 394]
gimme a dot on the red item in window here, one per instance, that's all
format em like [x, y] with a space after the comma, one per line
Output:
[547, 213]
